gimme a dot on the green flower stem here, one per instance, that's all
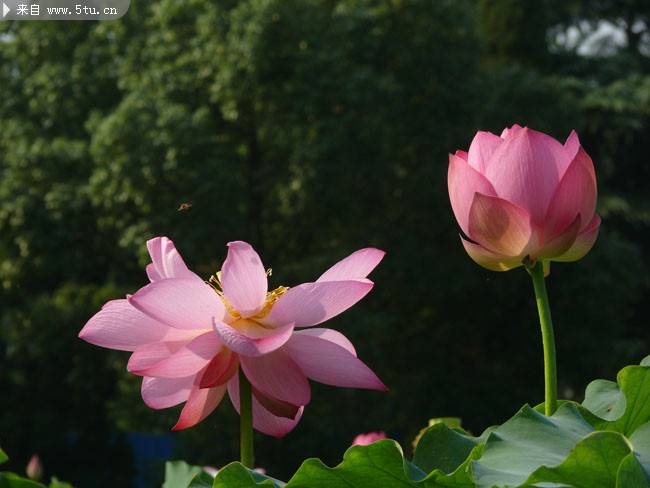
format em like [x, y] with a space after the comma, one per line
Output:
[548, 340]
[246, 420]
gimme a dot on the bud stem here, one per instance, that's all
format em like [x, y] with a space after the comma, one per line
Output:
[245, 420]
[548, 340]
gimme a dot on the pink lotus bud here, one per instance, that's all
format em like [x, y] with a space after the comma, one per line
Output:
[523, 197]
[368, 438]
[34, 469]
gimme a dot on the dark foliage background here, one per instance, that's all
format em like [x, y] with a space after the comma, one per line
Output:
[310, 128]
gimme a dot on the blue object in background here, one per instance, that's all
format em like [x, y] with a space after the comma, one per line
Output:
[150, 451]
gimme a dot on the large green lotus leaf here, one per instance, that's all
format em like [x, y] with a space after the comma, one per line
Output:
[605, 399]
[634, 382]
[640, 441]
[529, 440]
[634, 471]
[443, 448]
[631, 474]
[235, 475]
[376, 465]
[179, 474]
[380, 464]
[451, 422]
[593, 463]
[621, 406]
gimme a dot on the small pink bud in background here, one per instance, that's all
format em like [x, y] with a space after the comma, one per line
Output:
[214, 471]
[211, 471]
[523, 197]
[368, 438]
[34, 469]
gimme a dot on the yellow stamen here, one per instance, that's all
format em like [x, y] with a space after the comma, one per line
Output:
[271, 296]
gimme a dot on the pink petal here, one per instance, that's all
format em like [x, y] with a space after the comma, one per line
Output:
[571, 145]
[253, 346]
[277, 407]
[583, 243]
[329, 335]
[489, 259]
[357, 265]
[575, 195]
[312, 303]
[159, 393]
[220, 370]
[148, 355]
[244, 279]
[263, 420]
[499, 226]
[481, 149]
[200, 404]
[328, 362]
[278, 376]
[507, 132]
[461, 154]
[525, 170]
[463, 182]
[180, 303]
[120, 326]
[186, 361]
[562, 242]
[167, 262]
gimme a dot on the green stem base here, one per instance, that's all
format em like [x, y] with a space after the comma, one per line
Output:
[548, 339]
[246, 421]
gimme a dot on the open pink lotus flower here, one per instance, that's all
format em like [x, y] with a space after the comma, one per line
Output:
[190, 338]
[524, 196]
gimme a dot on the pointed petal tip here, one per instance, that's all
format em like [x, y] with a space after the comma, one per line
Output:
[379, 385]
[573, 134]
[83, 333]
[153, 240]
[572, 141]
[131, 368]
[357, 265]
[238, 244]
[375, 249]
[487, 259]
